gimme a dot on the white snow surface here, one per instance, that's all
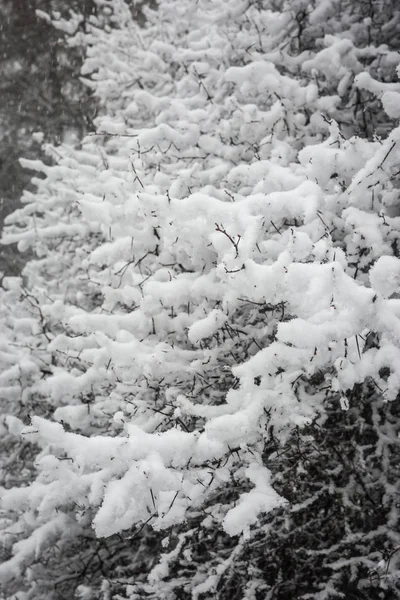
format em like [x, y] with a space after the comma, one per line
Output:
[213, 245]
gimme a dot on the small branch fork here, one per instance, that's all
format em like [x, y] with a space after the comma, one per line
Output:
[234, 242]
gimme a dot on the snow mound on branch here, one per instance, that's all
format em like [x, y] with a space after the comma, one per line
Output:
[385, 276]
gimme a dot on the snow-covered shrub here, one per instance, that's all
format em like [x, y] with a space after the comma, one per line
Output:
[212, 320]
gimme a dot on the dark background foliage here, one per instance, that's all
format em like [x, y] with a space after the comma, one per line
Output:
[40, 91]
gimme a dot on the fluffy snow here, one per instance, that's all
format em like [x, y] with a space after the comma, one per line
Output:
[217, 242]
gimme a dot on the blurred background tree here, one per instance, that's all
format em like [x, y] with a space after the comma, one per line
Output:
[41, 93]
